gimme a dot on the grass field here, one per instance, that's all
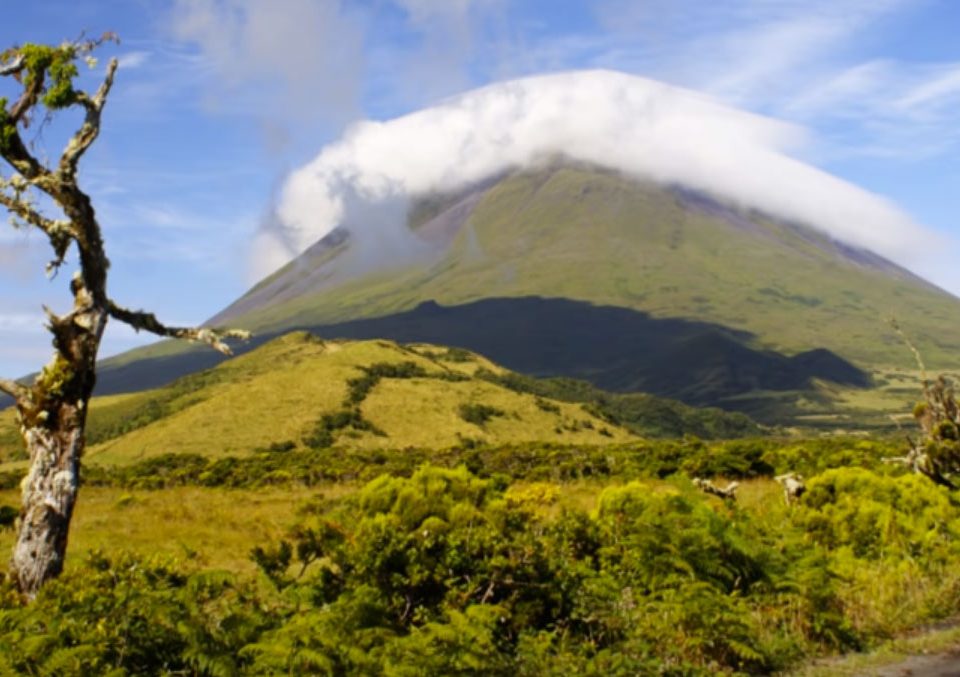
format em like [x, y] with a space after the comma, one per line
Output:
[212, 527]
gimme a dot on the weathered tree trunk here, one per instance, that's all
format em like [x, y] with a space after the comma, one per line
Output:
[53, 431]
[49, 494]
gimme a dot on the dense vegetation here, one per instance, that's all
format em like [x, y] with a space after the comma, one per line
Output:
[641, 413]
[523, 559]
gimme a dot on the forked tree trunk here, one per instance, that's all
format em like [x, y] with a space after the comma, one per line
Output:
[53, 431]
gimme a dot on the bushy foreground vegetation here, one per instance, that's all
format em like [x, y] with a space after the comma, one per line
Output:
[481, 561]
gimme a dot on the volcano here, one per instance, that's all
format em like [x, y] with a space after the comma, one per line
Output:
[579, 271]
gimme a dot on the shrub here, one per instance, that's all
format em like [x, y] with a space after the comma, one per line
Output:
[479, 414]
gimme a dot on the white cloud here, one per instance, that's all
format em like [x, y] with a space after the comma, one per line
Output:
[941, 87]
[817, 62]
[629, 123]
[132, 60]
[885, 108]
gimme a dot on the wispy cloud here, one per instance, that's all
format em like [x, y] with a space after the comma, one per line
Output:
[30, 323]
[131, 60]
[22, 256]
[885, 108]
[304, 57]
[813, 62]
[157, 232]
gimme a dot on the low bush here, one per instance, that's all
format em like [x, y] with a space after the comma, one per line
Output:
[479, 414]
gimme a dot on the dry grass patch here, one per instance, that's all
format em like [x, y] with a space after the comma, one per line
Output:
[216, 527]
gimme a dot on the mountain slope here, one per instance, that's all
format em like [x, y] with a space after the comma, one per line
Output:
[570, 270]
[590, 235]
[299, 391]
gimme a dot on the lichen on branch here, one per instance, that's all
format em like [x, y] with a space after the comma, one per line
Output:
[143, 321]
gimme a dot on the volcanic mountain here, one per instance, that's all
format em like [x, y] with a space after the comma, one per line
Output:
[573, 270]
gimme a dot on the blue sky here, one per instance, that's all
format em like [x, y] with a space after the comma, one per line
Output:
[217, 101]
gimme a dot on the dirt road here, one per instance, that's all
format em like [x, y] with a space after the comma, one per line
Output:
[938, 665]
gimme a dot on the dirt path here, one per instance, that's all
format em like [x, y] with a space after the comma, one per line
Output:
[931, 652]
[938, 665]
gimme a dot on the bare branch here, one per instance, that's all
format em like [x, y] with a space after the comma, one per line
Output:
[728, 493]
[14, 66]
[59, 232]
[15, 390]
[144, 321]
[22, 209]
[921, 463]
[20, 159]
[90, 129]
[793, 486]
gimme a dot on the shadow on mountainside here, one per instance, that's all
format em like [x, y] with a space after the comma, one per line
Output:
[614, 348]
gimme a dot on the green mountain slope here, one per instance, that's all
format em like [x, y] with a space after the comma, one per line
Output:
[590, 235]
[300, 392]
[580, 272]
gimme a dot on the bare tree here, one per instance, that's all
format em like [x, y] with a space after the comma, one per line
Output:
[53, 410]
[936, 454]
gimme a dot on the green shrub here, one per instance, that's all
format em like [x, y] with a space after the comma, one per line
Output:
[479, 414]
[879, 516]
[127, 615]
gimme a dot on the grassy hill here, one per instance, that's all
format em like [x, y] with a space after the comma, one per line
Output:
[300, 392]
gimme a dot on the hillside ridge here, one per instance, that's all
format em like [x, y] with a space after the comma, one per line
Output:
[301, 392]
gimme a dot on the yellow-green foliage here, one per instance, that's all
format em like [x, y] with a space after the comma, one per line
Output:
[879, 517]
[894, 540]
[55, 65]
[440, 570]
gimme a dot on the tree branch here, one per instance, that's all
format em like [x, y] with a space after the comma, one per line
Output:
[60, 233]
[90, 129]
[144, 321]
[14, 66]
[15, 390]
[22, 208]
[20, 159]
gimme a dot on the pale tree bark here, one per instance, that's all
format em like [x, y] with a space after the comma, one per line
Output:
[53, 410]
